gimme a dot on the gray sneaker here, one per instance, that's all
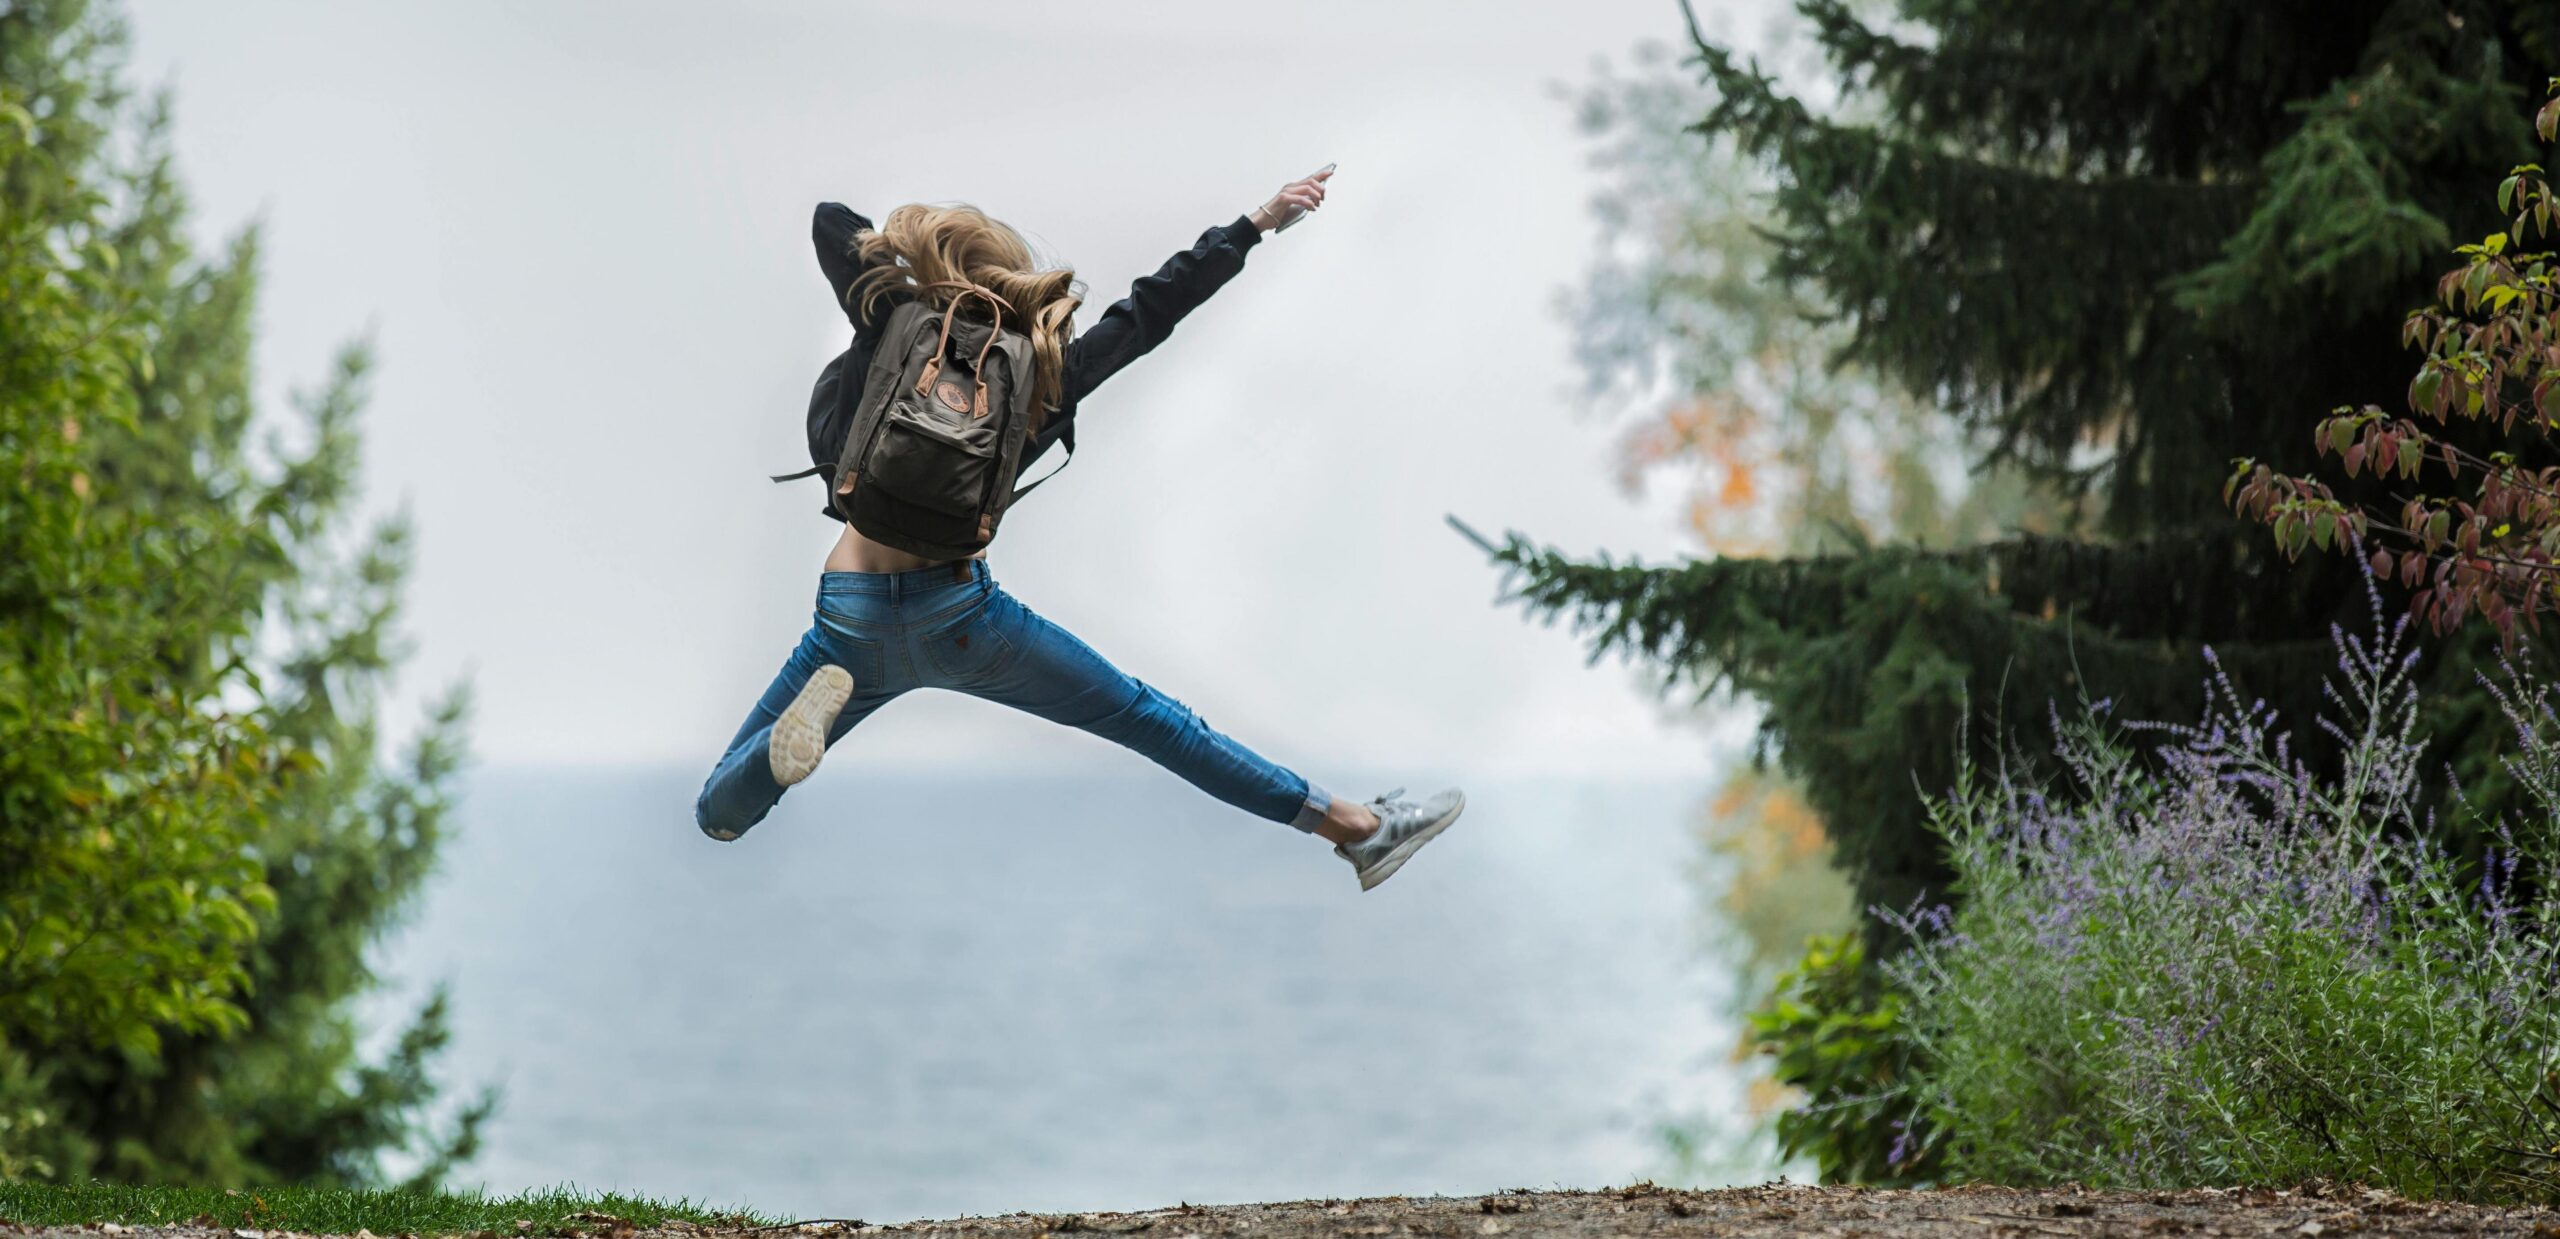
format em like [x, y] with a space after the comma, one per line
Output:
[1403, 827]
[799, 737]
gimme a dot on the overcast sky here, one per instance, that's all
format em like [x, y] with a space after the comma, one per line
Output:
[579, 236]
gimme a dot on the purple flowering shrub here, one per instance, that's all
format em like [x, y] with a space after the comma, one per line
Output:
[2219, 966]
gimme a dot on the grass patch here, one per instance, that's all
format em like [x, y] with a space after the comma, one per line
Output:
[565, 1211]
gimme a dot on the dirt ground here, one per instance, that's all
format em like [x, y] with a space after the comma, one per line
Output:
[1732, 1213]
[1774, 1210]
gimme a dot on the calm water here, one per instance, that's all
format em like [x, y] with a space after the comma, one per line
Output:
[927, 997]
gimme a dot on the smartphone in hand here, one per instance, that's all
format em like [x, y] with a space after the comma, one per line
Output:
[1297, 213]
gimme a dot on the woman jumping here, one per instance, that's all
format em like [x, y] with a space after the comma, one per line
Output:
[889, 620]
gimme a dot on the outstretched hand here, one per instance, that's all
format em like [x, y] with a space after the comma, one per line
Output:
[1304, 194]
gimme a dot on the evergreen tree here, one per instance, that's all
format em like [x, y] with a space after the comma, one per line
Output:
[197, 840]
[2120, 244]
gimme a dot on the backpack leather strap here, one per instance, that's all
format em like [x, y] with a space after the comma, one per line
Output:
[933, 368]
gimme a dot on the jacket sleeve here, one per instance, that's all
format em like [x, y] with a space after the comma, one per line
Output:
[833, 231]
[1140, 321]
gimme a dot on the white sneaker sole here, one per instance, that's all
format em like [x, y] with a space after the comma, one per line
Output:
[799, 737]
[1385, 869]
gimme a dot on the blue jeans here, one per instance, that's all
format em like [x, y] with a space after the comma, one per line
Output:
[951, 627]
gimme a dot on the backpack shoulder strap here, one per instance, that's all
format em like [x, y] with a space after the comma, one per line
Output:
[1063, 462]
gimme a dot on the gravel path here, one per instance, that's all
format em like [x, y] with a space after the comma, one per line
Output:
[1732, 1213]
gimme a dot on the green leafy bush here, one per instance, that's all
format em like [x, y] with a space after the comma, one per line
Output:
[2218, 965]
[2486, 542]
[1837, 1034]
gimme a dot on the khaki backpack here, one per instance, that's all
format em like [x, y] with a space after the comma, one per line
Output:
[936, 441]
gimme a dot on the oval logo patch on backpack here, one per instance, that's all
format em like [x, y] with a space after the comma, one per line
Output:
[953, 396]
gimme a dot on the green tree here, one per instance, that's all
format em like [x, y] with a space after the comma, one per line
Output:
[197, 839]
[2118, 244]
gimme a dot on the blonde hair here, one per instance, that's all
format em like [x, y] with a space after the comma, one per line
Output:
[920, 244]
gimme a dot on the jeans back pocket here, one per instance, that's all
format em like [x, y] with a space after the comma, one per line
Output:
[854, 646]
[970, 646]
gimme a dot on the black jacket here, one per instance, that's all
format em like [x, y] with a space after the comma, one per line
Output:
[1133, 325]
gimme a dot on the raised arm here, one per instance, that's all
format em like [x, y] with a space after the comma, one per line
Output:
[1135, 324]
[833, 231]
[1140, 321]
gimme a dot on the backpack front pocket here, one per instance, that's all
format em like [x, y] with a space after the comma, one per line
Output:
[932, 463]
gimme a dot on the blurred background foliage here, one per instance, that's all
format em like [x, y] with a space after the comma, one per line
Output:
[198, 840]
